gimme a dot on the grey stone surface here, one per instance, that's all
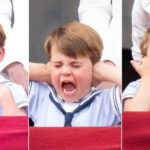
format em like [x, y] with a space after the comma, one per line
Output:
[45, 16]
[126, 23]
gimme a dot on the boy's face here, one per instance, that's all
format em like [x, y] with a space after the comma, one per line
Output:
[2, 53]
[72, 78]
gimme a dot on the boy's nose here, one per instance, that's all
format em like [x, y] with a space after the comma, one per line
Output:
[66, 71]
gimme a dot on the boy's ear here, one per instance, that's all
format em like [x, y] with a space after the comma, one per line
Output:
[2, 54]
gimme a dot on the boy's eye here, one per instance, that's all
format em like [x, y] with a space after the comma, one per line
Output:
[76, 66]
[57, 66]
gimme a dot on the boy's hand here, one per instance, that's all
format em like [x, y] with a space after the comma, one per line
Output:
[40, 72]
[141, 100]
[98, 73]
[105, 72]
[143, 69]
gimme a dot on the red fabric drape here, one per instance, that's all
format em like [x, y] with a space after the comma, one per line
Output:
[13, 133]
[135, 135]
[136, 131]
[75, 138]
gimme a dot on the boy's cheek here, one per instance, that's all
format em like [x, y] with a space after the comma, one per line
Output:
[54, 78]
[84, 78]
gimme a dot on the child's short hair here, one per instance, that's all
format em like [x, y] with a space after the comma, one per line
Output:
[145, 42]
[2, 37]
[76, 39]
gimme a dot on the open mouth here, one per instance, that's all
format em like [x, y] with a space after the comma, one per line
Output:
[68, 88]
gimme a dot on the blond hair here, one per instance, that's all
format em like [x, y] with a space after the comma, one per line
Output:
[145, 42]
[76, 39]
[2, 37]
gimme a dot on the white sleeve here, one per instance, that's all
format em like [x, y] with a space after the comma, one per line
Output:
[131, 90]
[140, 23]
[18, 93]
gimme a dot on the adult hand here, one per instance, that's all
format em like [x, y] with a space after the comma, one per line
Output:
[16, 73]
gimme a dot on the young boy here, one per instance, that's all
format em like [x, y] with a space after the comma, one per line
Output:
[136, 96]
[13, 98]
[74, 51]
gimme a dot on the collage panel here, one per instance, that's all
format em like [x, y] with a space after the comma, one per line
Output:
[14, 62]
[73, 48]
[65, 93]
[136, 49]
[136, 75]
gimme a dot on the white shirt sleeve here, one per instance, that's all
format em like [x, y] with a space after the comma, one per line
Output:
[140, 23]
[18, 93]
[131, 89]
